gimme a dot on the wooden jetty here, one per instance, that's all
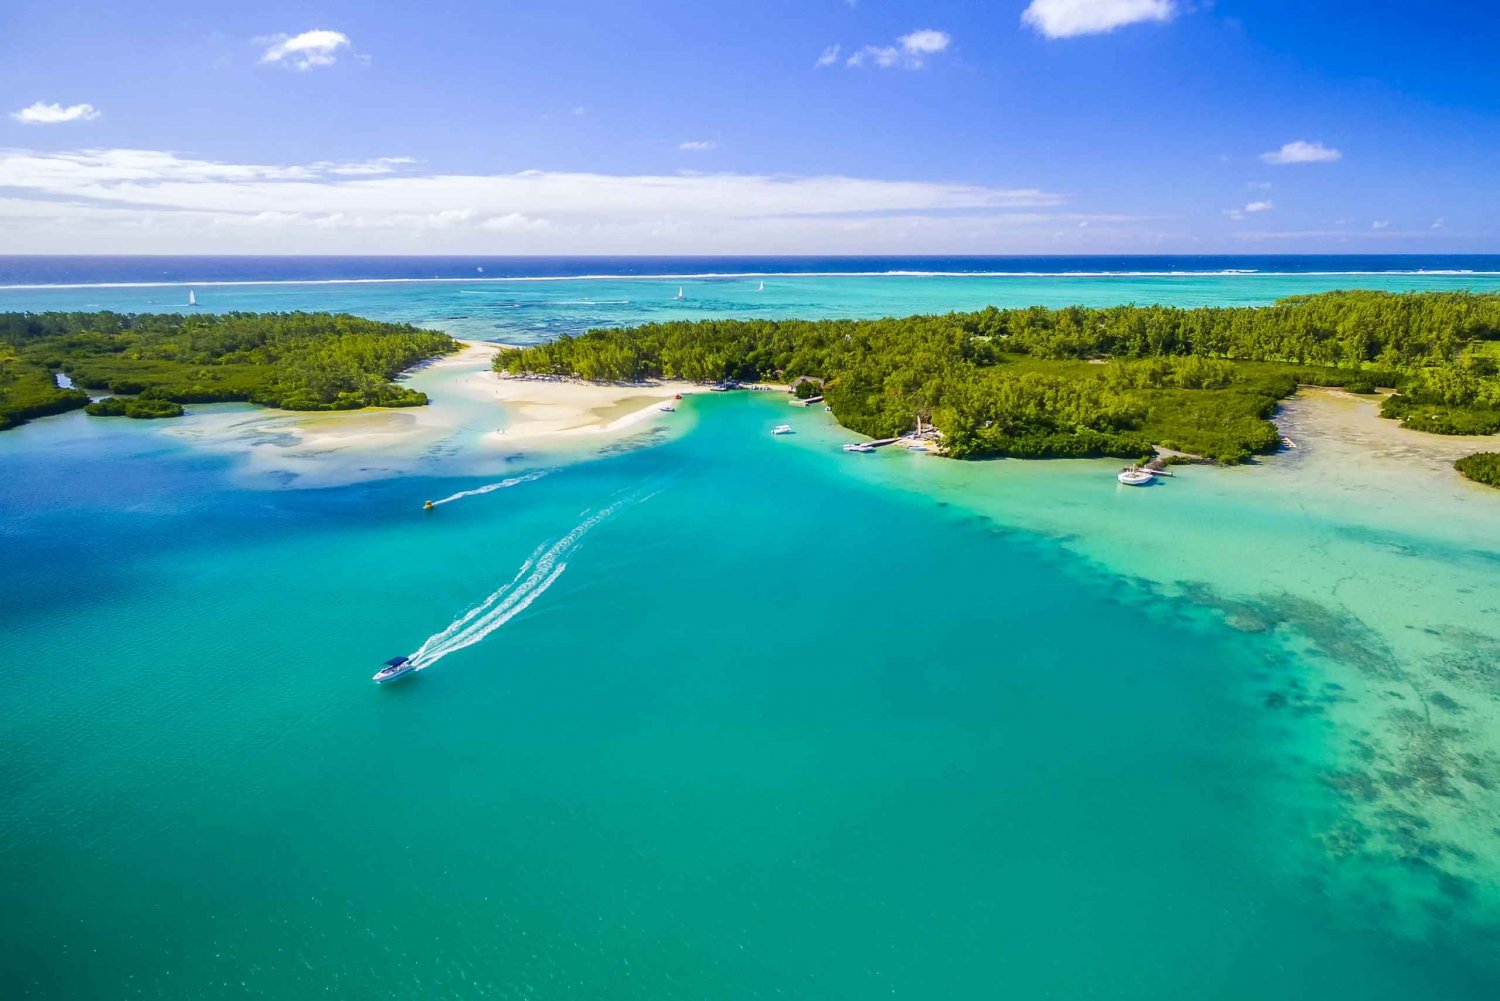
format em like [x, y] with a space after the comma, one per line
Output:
[1158, 467]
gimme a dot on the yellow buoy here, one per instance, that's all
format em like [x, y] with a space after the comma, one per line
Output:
[427, 506]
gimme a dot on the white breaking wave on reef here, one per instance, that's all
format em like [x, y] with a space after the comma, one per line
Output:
[513, 481]
[538, 573]
[710, 275]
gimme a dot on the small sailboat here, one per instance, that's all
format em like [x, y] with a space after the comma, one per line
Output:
[679, 293]
[192, 298]
[762, 287]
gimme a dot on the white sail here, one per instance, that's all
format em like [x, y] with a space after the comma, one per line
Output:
[192, 298]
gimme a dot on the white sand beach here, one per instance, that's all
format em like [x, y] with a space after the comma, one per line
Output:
[480, 419]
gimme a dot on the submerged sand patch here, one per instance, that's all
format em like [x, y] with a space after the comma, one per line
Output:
[478, 422]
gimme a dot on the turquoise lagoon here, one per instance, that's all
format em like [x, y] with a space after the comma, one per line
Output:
[711, 714]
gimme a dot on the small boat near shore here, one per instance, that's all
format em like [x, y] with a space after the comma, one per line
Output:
[859, 446]
[783, 429]
[668, 409]
[1135, 476]
[394, 668]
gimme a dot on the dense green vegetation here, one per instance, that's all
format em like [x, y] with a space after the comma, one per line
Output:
[295, 361]
[140, 407]
[1078, 381]
[29, 390]
[1481, 467]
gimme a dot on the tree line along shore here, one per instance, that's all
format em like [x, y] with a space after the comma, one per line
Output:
[1079, 381]
[1032, 382]
[157, 362]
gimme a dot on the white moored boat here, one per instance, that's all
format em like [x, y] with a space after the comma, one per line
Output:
[1135, 476]
[859, 446]
[783, 429]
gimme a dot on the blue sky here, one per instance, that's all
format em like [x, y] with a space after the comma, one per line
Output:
[816, 126]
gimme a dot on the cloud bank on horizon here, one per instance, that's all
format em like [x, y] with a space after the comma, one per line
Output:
[1026, 126]
[153, 198]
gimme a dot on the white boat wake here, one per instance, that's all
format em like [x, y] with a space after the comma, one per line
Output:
[539, 572]
[513, 481]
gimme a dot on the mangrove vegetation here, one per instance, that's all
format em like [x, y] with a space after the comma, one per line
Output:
[154, 363]
[1081, 381]
[1481, 467]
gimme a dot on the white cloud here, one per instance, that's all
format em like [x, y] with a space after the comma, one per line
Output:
[146, 201]
[910, 51]
[513, 222]
[925, 42]
[829, 57]
[54, 114]
[697, 145]
[1251, 209]
[319, 47]
[368, 168]
[1438, 223]
[1380, 224]
[1301, 151]
[1258, 185]
[1071, 18]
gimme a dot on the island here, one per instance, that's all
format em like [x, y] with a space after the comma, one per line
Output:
[154, 363]
[1481, 467]
[1079, 381]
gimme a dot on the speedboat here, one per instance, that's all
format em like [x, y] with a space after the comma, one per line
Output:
[393, 669]
[859, 446]
[1135, 476]
[783, 429]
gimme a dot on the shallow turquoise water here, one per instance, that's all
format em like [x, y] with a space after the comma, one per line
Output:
[745, 717]
[528, 310]
[773, 731]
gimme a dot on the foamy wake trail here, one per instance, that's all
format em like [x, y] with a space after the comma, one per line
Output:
[513, 481]
[531, 581]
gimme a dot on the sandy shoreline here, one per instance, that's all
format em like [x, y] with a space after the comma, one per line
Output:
[531, 407]
[483, 421]
[477, 421]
